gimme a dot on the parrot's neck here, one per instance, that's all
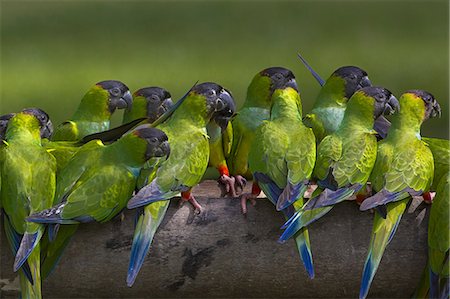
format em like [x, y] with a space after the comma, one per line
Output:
[258, 93]
[409, 119]
[93, 106]
[286, 105]
[129, 149]
[23, 128]
[138, 110]
[359, 113]
[193, 110]
[332, 94]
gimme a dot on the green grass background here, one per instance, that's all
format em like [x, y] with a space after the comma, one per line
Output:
[53, 51]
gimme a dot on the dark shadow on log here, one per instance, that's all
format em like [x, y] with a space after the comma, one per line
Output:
[223, 254]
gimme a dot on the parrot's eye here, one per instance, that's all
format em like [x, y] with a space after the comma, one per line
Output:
[278, 77]
[154, 98]
[211, 92]
[154, 140]
[220, 105]
[115, 92]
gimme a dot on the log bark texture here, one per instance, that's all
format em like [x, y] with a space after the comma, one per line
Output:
[223, 254]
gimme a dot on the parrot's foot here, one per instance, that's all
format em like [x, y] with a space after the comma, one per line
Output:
[247, 196]
[240, 183]
[187, 196]
[226, 185]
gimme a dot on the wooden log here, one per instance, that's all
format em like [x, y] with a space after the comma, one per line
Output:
[223, 254]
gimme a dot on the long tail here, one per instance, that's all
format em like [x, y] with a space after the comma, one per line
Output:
[329, 197]
[29, 290]
[382, 233]
[27, 244]
[146, 227]
[52, 251]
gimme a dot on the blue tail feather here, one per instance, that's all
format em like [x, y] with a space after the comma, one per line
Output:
[368, 274]
[300, 220]
[329, 197]
[268, 186]
[14, 239]
[383, 197]
[305, 254]
[28, 243]
[291, 193]
[434, 284]
[150, 193]
[143, 235]
[311, 70]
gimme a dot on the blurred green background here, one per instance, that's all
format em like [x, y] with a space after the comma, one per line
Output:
[52, 52]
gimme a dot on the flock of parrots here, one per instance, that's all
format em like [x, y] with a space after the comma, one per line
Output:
[82, 171]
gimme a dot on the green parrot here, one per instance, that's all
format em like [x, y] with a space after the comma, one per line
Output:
[28, 175]
[254, 111]
[282, 157]
[329, 107]
[185, 167]
[96, 184]
[149, 102]
[441, 156]
[346, 157]
[95, 110]
[404, 167]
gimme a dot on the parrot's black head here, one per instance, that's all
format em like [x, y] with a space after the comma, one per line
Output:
[432, 107]
[4, 119]
[385, 102]
[280, 78]
[119, 95]
[158, 100]
[157, 141]
[219, 102]
[354, 77]
[44, 121]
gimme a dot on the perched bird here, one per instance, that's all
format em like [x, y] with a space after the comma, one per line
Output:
[282, 158]
[254, 111]
[185, 167]
[95, 110]
[404, 167]
[97, 183]
[149, 102]
[28, 185]
[441, 157]
[329, 107]
[346, 157]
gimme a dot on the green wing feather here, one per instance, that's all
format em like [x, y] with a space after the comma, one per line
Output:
[329, 151]
[441, 156]
[67, 131]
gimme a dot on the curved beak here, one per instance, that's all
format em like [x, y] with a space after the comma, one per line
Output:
[47, 130]
[126, 101]
[436, 110]
[165, 147]
[365, 82]
[224, 115]
[392, 106]
[292, 83]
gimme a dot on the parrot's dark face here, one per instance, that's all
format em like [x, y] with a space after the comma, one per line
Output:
[45, 123]
[432, 107]
[158, 100]
[119, 95]
[280, 78]
[4, 119]
[385, 102]
[157, 142]
[354, 77]
[219, 102]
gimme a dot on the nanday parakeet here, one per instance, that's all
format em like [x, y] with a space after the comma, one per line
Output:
[94, 111]
[282, 158]
[28, 175]
[254, 111]
[404, 167]
[185, 167]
